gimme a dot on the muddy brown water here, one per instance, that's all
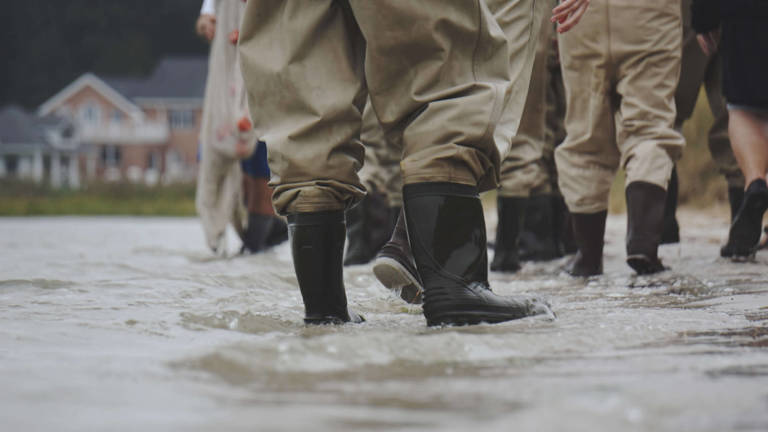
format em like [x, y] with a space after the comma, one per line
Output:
[121, 324]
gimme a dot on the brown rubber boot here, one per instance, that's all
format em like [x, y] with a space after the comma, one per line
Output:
[589, 233]
[645, 222]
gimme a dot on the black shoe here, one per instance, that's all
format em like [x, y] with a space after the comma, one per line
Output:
[589, 234]
[563, 227]
[447, 235]
[537, 239]
[394, 266]
[735, 198]
[317, 243]
[278, 232]
[645, 219]
[744, 236]
[511, 212]
[256, 234]
[671, 231]
[369, 226]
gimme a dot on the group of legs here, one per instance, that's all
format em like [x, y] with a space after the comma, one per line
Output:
[437, 80]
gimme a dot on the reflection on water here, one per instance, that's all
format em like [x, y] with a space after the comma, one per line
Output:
[126, 324]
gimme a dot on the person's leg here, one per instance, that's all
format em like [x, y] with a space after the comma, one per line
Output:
[371, 222]
[264, 228]
[750, 143]
[555, 135]
[749, 138]
[523, 170]
[588, 158]
[302, 63]
[649, 143]
[443, 84]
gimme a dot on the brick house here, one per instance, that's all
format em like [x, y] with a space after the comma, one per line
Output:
[139, 130]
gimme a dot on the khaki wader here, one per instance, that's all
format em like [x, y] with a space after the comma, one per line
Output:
[698, 69]
[524, 169]
[437, 74]
[381, 171]
[307, 65]
[621, 66]
[219, 196]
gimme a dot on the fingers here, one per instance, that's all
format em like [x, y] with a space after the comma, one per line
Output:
[704, 44]
[573, 19]
[566, 8]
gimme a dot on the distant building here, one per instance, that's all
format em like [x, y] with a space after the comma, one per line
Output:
[41, 149]
[140, 130]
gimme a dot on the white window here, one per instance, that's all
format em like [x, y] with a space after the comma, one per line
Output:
[182, 119]
[110, 155]
[90, 113]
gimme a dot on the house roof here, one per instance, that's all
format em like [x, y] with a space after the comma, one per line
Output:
[20, 127]
[174, 78]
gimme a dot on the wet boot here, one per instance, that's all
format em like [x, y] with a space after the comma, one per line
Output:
[511, 212]
[256, 234]
[563, 227]
[446, 229]
[735, 198]
[317, 244]
[537, 239]
[278, 233]
[589, 234]
[394, 266]
[645, 219]
[369, 226]
[671, 231]
[744, 236]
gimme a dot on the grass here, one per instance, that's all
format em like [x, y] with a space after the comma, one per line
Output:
[27, 199]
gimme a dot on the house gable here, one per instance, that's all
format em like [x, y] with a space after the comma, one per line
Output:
[93, 83]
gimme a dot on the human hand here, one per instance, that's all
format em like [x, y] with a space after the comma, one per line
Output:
[708, 41]
[568, 13]
[206, 27]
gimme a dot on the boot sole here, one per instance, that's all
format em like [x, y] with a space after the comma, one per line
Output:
[397, 278]
[644, 265]
[469, 318]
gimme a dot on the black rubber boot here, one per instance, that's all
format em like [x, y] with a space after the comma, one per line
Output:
[511, 212]
[735, 198]
[563, 227]
[369, 227]
[256, 234]
[671, 231]
[744, 236]
[589, 234]
[446, 229]
[317, 243]
[278, 233]
[537, 239]
[645, 220]
[394, 266]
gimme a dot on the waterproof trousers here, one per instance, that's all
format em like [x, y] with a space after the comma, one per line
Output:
[621, 66]
[437, 74]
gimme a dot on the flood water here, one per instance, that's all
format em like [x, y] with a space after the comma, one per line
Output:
[117, 324]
